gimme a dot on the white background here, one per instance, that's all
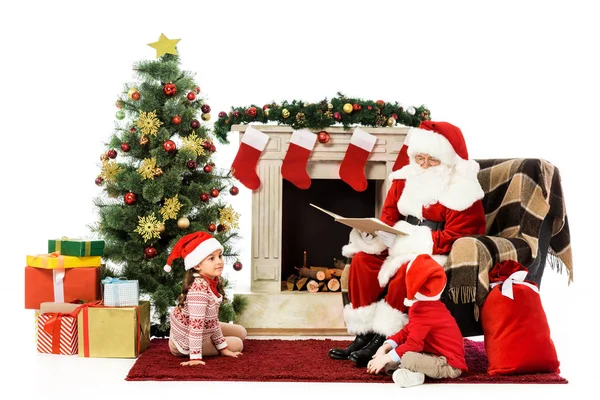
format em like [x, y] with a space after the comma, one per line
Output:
[520, 78]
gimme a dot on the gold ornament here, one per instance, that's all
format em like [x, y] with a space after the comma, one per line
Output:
[171, 207]
[161, 228]
[131, 91]
[104, 157]
[144, 140]
[205, 116]
[109, 170]
[193, 143]
[285, 113]
[267, 111]
[164, 46]
[329, 106]
[300, 118]
[347, 108]
[157, 171]
[391, 121]
[148, 123]
[147, 168]
[228, 217]
[148, 227]
[183, 223]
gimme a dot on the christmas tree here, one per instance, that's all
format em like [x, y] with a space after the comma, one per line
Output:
[159, 183]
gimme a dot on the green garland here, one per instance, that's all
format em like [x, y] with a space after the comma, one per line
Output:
[342, 110]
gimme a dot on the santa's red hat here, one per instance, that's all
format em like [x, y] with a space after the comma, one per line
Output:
[440, 140]
[193, 248]
[425, 280]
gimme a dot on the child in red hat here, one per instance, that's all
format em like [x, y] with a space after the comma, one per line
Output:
[195, 326]
[431, 343]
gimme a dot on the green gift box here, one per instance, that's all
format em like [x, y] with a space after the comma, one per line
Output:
[76, 247]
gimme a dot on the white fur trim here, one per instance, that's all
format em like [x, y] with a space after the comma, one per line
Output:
[255, 138]
[359, 320]
[201, 252]
[363, 139]
[388, 320]
[391, 265]
[418, 241]
[432, 143]
[357, 243]
[304, 138]
[167, 268]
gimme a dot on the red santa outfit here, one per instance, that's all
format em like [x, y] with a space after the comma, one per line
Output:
[431, 328]
[197, 321]
[449, 195]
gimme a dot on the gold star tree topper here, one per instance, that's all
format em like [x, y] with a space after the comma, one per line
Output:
[164, 46]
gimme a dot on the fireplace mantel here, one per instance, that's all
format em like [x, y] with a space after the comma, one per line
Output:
[323, 163]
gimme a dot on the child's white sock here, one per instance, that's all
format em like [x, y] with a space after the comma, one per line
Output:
[406, 378]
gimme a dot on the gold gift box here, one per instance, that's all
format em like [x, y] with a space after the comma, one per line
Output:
[112, 332]
[53, 261]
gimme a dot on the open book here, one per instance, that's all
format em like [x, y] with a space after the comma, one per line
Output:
[368, 225]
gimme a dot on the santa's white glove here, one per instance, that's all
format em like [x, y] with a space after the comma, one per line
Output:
[386, 238]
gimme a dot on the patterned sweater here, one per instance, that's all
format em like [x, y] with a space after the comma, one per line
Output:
[197, 321]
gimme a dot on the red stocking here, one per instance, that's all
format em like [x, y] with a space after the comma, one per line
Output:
[352, 170]
[296, 158]
[246, 159]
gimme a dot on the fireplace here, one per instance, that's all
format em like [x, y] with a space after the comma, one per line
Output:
[284, 225]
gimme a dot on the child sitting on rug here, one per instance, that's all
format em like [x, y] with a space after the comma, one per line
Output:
[195, 326]
[431, 343]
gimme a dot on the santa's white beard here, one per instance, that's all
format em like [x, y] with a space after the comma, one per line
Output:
[425, 186]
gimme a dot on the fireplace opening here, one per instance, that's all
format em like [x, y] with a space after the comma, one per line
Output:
[304, 228]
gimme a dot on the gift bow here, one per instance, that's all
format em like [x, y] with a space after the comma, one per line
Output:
[109, 280]
[54, 254]
[517, 278]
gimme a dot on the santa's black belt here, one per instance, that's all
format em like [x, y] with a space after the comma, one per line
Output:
[434, 226]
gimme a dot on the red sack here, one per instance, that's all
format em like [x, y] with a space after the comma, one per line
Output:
[515, 328]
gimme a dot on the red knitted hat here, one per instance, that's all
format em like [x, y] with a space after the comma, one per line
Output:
[425, 280]
[441, 140]
[193, 248]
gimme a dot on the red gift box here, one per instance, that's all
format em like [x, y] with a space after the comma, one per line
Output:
[57, 334]
[61, 285]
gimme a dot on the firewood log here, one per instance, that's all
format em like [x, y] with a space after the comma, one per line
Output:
[313, 286]
[333, 284]
[322, 273]
[301, 282]
[338, 264]
[307, 272]
[336, 272]
[291, 281]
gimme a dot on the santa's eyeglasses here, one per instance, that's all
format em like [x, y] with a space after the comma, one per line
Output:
[425, 159]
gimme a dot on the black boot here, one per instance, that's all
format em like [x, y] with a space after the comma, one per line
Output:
[359, 342]
[363, 356]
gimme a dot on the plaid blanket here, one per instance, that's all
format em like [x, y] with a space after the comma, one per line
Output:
[519, 194]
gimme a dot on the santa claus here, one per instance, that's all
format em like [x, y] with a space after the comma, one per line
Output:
[435, 198]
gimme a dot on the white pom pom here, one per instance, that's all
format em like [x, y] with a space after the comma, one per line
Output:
[167, 268]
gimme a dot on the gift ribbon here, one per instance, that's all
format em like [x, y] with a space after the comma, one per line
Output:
[516, 278]
[60, 263]
[52, 327]
[108, 280]
[58, 277]
[88, 245]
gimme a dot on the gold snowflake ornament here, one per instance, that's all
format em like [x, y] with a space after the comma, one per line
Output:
[147, 168]
[109, 170]
[148, 227]
[148, 123]
[228, 217]
[193, 143]
[170, 209]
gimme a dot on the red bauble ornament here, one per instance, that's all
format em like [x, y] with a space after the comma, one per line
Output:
[195, 124]
[212, 227]
[323, 137]
[266, 106]
[356, 107]
[369, 108]
[192, 164]
[197, 89]
[125, 147]
[234, 191]
[221, 228]
[208, 169]
[205, 108]
[191, 96]
[222, 114]
[236, 114]
[112, 153]
[130, 198]
[150, 252]
[214, 192]
[206, 144]
[132, 129]
[169, 146]
[135, 95]
[237, 266]
[380, 103]
[337, 116]
[99, 181]
[213, 148]
[204, 197]
[169, 89]
[176, 120]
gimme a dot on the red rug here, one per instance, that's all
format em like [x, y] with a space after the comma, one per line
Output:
[276, 360]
